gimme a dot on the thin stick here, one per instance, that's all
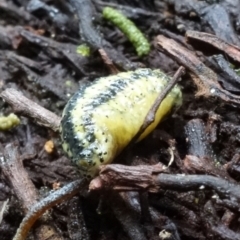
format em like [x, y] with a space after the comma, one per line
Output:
[150, 117]
[108, 61]
[26, 106]
[13, 169]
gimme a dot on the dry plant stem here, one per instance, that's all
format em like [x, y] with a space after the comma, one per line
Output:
[43, 205]
[31, 109]
[205, 79]
[152, 179]
[114, 175]
[232, 51]
[150, 117]
[108, 61]
[13, 169]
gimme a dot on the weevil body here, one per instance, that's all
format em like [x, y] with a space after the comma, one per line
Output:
[101, 118]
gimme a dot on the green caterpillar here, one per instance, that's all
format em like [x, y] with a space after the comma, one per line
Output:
[134, 35]
[101, 118]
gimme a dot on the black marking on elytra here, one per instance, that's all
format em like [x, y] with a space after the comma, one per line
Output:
[67, 133]
[90, 137]
[112, 90]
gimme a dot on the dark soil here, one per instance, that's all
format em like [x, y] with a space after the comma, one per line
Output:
[38, 42]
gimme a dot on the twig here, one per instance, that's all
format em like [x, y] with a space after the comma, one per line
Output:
[108, 61]
[150, 117]
[26, 106]
[152, 179]
[127, 178]
[13, 169]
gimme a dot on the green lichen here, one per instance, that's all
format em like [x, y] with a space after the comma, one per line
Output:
[84, 50]
[134, 35]
[9, 122]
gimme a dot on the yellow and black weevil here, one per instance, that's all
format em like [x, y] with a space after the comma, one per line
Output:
[101, 118]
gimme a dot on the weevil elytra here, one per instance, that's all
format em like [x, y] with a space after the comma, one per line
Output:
[101, 118]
